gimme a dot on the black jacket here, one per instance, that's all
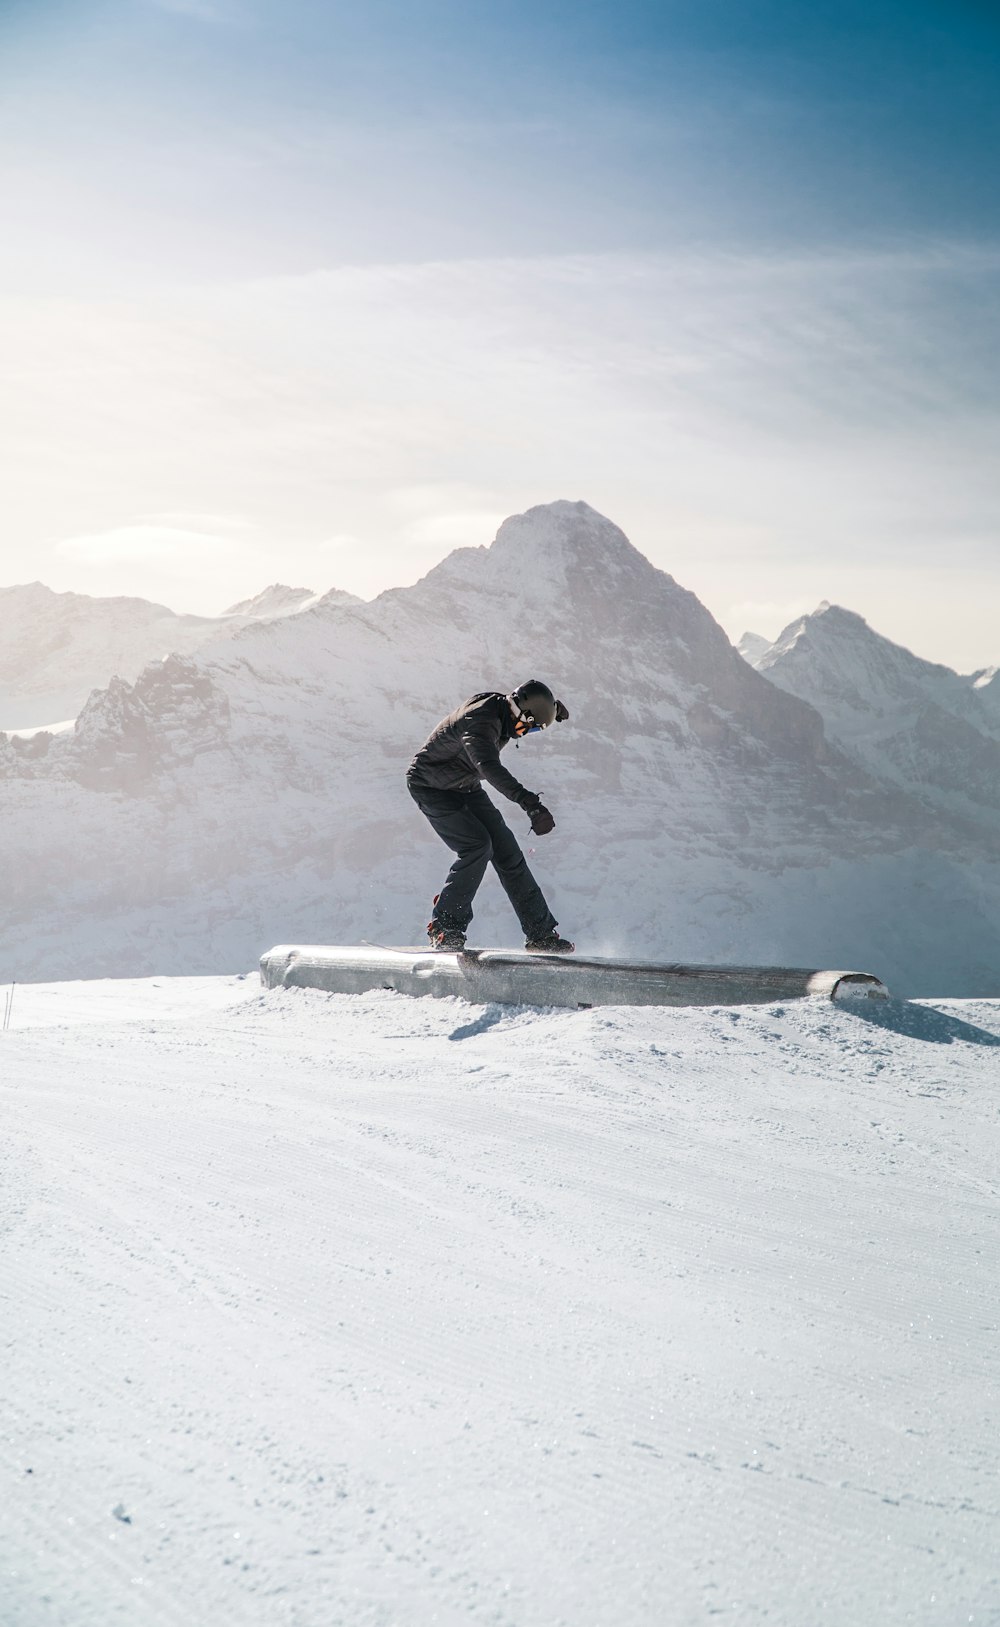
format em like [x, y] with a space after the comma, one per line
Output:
[465, 749]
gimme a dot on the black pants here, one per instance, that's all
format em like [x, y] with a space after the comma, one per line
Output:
[476, 831]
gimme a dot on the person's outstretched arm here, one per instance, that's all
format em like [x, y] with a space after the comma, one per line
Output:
[480, 742]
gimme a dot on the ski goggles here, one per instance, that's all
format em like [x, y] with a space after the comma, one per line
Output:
[527, 723]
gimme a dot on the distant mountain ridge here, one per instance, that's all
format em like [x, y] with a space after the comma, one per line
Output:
[254, 793]
[276, 600]
[55, 648]
[279, 600]
[752, 646]
[912, 722]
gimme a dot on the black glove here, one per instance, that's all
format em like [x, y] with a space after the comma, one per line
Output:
[561, 713]
[542, 821]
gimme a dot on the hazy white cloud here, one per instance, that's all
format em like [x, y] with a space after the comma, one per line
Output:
[341, 544]
[446, 531]
[771, 431]
[359, 565]
[431, 498]
[171, 564]
[167, 549]
[187, 520]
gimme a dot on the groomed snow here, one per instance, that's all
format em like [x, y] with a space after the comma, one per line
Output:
[333, 1310]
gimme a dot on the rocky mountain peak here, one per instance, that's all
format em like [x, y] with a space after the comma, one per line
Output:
[546, 552]
[276, 600]
[844, 654]
[571, 532]
[826, 626]
[908, 720]
[752, 646]
[334, 599]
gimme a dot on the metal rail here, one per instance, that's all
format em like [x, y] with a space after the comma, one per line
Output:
[512, 977]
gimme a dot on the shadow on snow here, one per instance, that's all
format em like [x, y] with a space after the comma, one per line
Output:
[919, 1022]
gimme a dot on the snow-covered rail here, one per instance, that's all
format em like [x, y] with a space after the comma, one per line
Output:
[511, 977]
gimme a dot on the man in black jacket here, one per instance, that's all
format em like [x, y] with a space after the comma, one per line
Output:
[445, 781]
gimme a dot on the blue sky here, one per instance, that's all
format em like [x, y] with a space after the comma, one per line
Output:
[443, 127]
[336, 286]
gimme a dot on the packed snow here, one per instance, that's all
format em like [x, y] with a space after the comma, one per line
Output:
[372, 1310]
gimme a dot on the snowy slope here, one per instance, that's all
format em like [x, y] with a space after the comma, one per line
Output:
[55, 648]
[256, 795]
[374, 1311]
[920, 725]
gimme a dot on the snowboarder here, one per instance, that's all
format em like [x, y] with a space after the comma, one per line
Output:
[445, 781]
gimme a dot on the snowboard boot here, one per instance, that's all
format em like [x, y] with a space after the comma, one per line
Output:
[446, 937]
[549, 944]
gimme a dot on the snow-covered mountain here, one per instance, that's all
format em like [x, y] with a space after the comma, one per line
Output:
[911, 722]
[279, 600]
[55, 648]
[752, 646]
[255, 794]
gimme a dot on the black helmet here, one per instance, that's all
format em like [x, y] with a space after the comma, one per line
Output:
[536, 701]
